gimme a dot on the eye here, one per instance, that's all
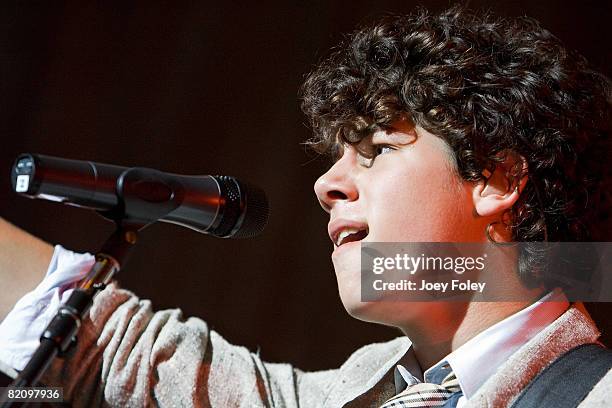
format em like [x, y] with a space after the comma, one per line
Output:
[369, 153]
[382, 149]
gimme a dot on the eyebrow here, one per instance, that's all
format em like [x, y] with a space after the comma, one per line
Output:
[395, 136]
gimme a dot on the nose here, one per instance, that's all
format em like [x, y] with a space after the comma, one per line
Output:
[338, 183]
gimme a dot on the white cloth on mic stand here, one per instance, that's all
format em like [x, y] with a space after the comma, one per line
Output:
[21, 329]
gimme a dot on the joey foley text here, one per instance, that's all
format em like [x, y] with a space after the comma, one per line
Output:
[426, 273]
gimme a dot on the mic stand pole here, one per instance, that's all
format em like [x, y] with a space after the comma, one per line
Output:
[60, 335]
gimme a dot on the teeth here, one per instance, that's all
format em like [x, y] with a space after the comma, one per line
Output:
[345, 233]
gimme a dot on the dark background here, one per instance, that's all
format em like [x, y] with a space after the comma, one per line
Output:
[209, 88]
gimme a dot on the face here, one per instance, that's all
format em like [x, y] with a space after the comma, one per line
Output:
[408, 192]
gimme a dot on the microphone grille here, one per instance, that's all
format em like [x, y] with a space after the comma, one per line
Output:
[256, 212]
[245, 209]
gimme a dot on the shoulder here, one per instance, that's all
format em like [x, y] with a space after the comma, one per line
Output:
[365, 370]
[377, 354]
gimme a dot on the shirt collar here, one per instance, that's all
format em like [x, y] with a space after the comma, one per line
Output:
[494, 345]
[407, 371]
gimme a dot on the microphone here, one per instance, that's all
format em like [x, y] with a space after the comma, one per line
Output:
[217, 205]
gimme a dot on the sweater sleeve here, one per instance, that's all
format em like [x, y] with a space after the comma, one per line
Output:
[129, 356]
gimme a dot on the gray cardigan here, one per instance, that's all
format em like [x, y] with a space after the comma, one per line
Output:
[129, 356]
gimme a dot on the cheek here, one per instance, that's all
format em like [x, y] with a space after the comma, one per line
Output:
[427, 208]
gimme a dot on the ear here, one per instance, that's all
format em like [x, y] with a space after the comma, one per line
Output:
[499, 190]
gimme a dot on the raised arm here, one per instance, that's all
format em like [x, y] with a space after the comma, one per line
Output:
[23, 262]
[129, 355]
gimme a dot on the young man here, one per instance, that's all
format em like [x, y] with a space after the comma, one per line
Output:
[444, 128]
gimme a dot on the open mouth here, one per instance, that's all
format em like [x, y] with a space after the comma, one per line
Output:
[350, 235]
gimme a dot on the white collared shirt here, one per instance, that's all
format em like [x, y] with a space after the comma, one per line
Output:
[494, 346]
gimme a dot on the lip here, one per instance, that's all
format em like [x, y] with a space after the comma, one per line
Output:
[335, 226]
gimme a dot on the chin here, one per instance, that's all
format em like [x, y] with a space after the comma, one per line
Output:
[359, 310]
[372, 312]
[392, 313]
[387, 312]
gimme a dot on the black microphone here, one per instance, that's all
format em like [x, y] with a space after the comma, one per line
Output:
[218, 205]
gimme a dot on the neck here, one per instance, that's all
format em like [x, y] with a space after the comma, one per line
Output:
[457, 323]
[439, 328]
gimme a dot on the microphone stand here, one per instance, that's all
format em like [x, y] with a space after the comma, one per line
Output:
[60, 335]
[59, 338]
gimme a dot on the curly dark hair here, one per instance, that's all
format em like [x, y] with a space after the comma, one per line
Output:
[486, 86]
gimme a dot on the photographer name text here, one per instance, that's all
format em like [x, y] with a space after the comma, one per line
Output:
[423, 285]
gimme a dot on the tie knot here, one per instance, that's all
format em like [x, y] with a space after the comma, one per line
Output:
[451, 383]
[422, 395]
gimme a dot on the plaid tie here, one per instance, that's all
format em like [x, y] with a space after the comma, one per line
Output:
[422, 395]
